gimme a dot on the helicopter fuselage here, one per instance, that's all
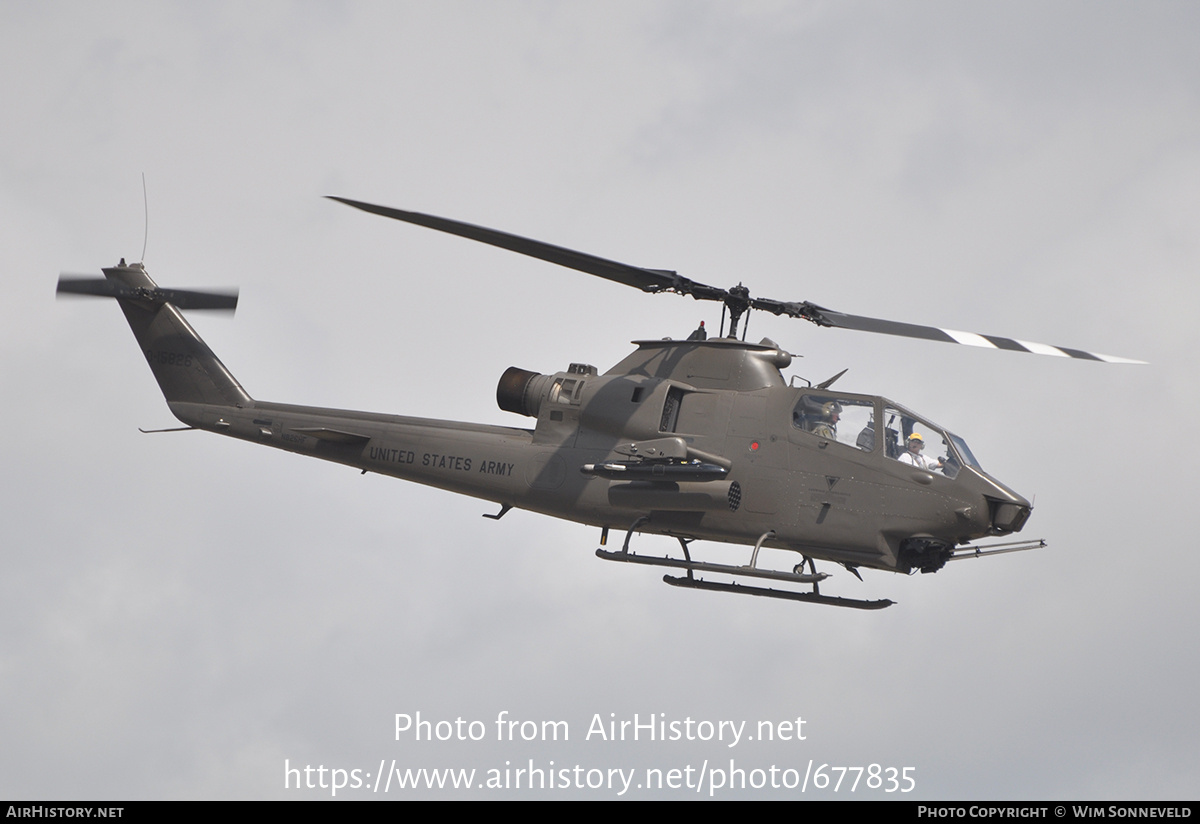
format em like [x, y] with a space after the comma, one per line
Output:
[696, 439]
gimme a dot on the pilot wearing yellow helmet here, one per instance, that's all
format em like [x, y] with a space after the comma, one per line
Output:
[914, 457]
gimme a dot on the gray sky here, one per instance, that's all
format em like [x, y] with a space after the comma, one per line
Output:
[180, 613]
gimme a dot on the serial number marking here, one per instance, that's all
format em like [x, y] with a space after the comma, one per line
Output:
[166, 358]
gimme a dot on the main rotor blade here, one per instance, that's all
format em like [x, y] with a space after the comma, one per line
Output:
[181, 298]
[840, 320]
[648, 280]
[909, 330]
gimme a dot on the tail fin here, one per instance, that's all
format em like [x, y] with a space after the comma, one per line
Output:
[187, 371]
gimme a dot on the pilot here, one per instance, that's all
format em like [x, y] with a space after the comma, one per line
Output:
[827, 426]
[914, 457]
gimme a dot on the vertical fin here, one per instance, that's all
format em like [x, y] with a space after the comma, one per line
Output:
[187, 371]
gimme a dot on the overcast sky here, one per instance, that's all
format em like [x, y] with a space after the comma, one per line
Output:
[181, 615]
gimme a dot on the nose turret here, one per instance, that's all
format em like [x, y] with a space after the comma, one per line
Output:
[1008, 517]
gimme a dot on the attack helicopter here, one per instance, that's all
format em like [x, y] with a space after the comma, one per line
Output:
[700, 439]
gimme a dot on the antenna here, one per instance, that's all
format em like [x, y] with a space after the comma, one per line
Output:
[145, 218]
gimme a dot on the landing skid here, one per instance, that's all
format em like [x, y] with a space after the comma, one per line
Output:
[810, 597]
[797, 576]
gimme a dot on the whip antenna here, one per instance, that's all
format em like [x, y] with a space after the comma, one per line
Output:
[145, 218]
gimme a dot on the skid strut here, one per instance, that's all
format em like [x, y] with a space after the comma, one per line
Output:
[750, 570]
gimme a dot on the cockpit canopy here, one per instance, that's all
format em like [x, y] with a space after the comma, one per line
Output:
[858, 421]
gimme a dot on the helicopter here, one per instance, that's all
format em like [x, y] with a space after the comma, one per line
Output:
[700, 439]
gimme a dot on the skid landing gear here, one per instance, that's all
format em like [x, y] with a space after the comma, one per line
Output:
[751, 570]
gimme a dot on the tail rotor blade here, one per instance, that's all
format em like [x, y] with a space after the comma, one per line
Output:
[180, 298]
[98, 287]
[189, 299]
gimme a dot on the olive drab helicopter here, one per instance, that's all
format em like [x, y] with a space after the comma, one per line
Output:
[698, 439]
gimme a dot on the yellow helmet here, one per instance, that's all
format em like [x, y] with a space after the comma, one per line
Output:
[916, 436]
